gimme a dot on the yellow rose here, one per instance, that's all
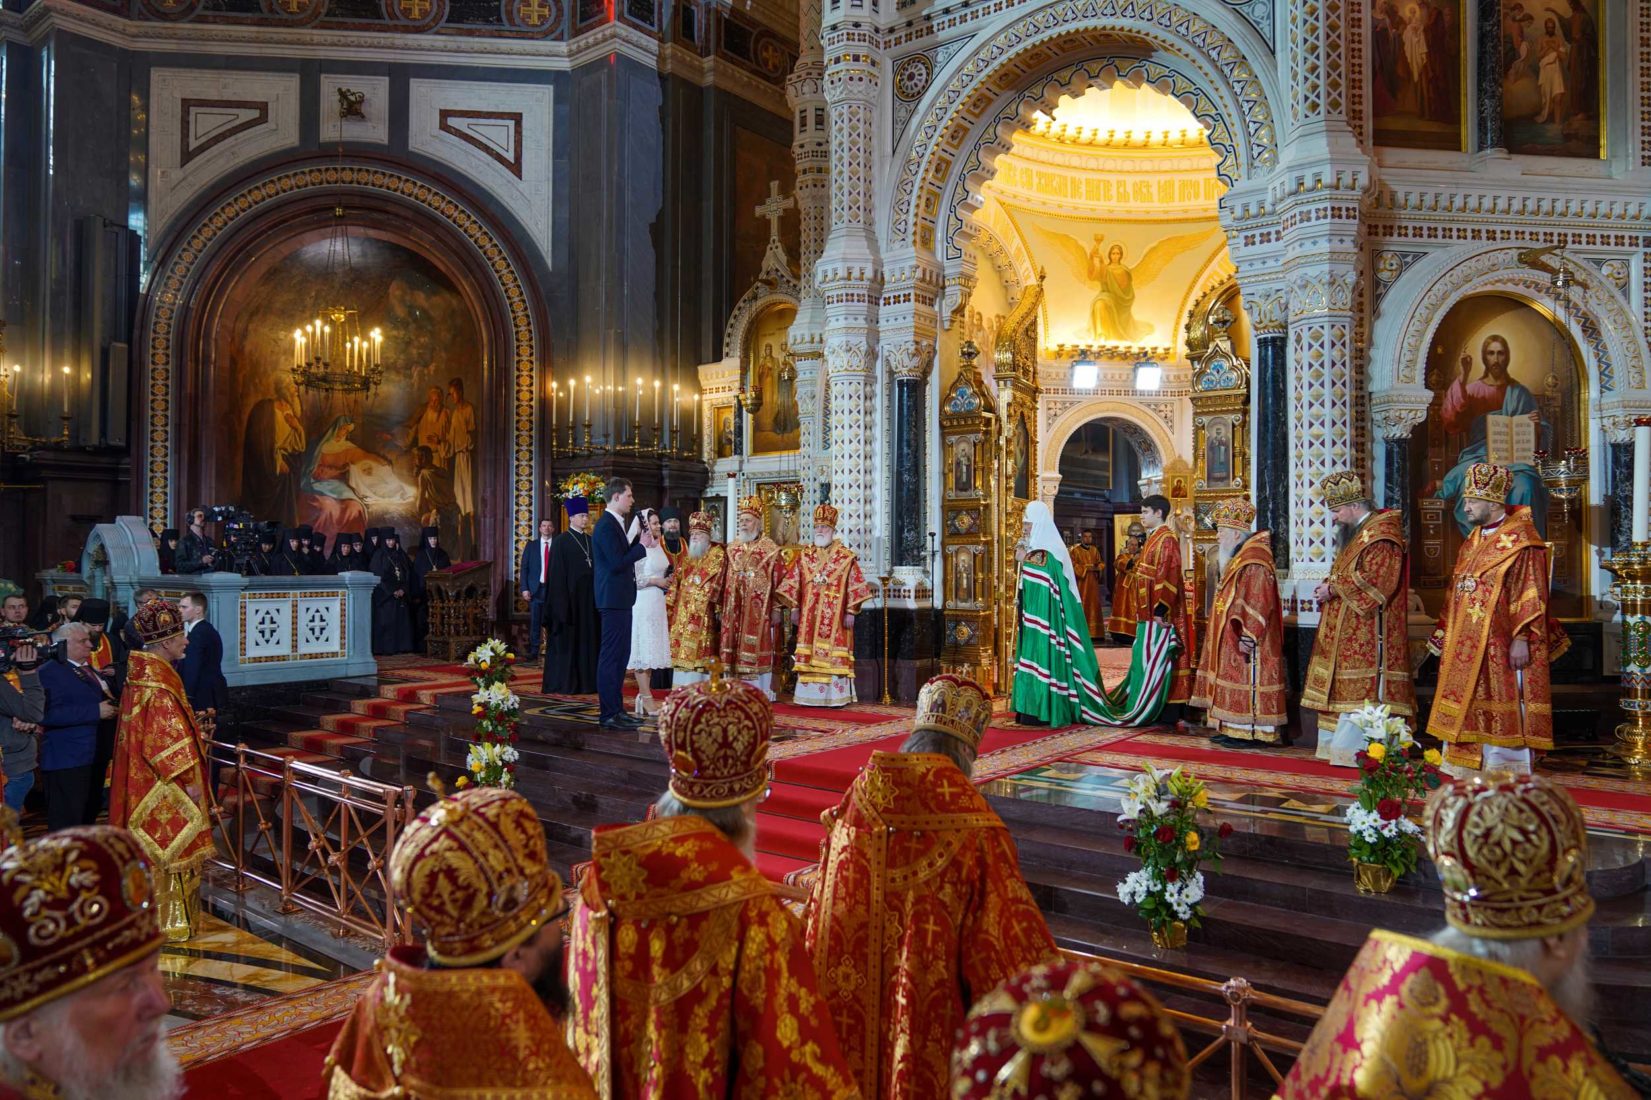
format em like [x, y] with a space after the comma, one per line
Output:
[1376, 750]
[1192, 840]
[476, 766]
[510, 656]
[477, 709]
[1202, 802]
[461, 782]
[1431, 756]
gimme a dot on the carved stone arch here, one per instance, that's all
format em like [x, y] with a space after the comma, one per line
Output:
[1210, 54]
[1605, 331]
[756, 301]
[1140, 426]
[201, 251]
[1003, 248]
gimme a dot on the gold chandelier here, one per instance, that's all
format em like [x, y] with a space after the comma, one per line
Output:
[333, 352]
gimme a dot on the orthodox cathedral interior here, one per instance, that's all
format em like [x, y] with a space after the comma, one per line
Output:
[929, 273]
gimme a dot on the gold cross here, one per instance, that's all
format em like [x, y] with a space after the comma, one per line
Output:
[1505, 541]
[414, 9]
[535, 12]
[293, 7]
[930, 930]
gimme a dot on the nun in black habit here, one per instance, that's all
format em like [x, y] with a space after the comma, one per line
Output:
[430, 557]
[393, 597]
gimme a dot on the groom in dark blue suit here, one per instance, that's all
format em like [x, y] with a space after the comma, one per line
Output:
[615, 553]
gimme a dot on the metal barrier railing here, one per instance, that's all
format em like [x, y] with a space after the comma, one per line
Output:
[319, 836]
[1236, 1032]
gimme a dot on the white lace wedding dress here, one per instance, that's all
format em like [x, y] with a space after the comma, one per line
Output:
[650, 632]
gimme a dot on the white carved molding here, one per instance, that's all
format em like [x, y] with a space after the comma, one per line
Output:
[206, 124]
[374, 128]
[497, 134]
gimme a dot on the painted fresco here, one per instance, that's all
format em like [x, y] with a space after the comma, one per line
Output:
[1416, 73]
[776, 426]
[1552, 78]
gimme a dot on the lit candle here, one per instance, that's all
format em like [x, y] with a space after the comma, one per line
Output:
[555, 392]
[676, 409]
[639, 399]
[65, 390]
[1642, 479]
[297, 346]
[656, 401]
[587, 398]
[378, 348]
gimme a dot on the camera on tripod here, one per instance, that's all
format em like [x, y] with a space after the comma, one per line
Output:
[240, 536]
[14, 638]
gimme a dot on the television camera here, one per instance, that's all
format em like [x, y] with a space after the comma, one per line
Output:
[14, 638]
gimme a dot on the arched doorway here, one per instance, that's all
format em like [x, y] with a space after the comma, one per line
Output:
[1101, 465]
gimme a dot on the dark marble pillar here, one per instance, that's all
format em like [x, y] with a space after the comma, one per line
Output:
[1396, 477]
[1621, 483]
[1489, 76]
[910, 446]
[1272, 423]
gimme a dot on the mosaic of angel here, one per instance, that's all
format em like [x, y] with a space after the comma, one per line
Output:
[1112, 312]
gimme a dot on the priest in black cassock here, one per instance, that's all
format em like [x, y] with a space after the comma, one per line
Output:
[394, 596]
[574, 627]
[430, 557]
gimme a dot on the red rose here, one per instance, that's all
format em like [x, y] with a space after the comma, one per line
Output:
[1368, 764]
[1175, 803]
[1165, 834]
[1129, 844]
[1126, 823]
[1389, 809]
[1226, 830]
[1171, 875]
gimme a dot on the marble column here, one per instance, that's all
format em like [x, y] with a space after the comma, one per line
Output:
[1396, 477]
[1272, 423]
[1621, 485]
[910, 363]
[1488, 97]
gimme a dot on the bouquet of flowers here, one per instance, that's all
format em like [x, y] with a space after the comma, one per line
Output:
[1160, 814]
[1394, 771]
[593, 487]
[497, 709]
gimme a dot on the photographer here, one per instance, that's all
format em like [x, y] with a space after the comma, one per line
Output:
[22, 706]
[76, 701]
[195, 552]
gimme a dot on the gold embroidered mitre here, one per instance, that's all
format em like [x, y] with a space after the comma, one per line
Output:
[825, 516]
[716, 735]
[157, 621]
[1235, 512]
[954, 705]
[1512, 857]
[1488, 482]
[701, 522]
[751, 506]
[1341, 488]
[473, 869]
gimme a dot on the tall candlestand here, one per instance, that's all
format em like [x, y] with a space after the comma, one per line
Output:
[886, 581]
[659, 440]
[1632, 570]
[588, 436]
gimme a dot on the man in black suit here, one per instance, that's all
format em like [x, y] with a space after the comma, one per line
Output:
[615, 552]
[535, 574]
[76, 700]
[202, 667]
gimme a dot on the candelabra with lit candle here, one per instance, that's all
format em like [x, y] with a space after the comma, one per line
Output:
[621, 408]
[13, 440]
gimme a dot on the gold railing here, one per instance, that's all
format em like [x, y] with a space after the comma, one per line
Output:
[338, 865]
[1235, 1032]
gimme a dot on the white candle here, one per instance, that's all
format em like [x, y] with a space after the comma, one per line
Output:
[555, 392]
[639, 400]
[587, 399]
[733, 504]
[65, 391]
[1642, 478]
[676, 410]
[656, 403]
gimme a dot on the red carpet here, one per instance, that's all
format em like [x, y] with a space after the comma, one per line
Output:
[1606, 803]
[275, 1071]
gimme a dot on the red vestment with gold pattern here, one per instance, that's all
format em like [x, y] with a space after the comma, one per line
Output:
[919, 910]
[465, 1034]
[689, 978]
[159, 788]
[692, 602]
[1086, 563]
[754, 568]
[1498, 592]
[1124, 617]
[1242, 692]
[1412, 1019]
[1160, 589]
[1361, 652]
[825, 583]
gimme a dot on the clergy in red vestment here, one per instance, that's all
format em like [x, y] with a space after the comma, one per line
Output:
[1495, 1006]
[83, 1007]
[689, 977]
[1122, 622]
[475, 1012]
[1160, 593]
[159, 785]
[1240, 682]
[826, 588]
[693, 600]
[919, 908]
[749, 613]
[1494, 639]
[1087, 566]
[1072, 1028]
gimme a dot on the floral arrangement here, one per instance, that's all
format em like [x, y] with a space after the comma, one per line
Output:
[497, 709]
[68, 567]
[1394, 771]
[1161, 815]
[593, 487]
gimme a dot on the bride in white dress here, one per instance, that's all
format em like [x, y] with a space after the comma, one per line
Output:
[650, 632]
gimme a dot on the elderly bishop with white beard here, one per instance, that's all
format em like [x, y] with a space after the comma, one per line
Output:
[825, 588]
[692, 602]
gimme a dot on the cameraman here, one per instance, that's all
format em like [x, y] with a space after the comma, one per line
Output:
[77, 699]
[195, 551]
[22, 705]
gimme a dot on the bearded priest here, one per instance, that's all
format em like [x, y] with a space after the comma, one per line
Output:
[473, 872]
[1494, 639]
[748, 613]
[824, 588]
[1361, 652]
[919, 909]
[158, 789]
[1496, 1004]
[1240, 682]
[692, 602]
[688, 975]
